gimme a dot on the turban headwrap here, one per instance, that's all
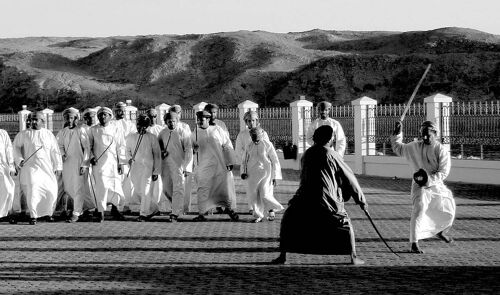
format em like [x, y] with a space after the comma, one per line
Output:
[89, 110]
[71, 111]
[105, 110]
[151, 112]
[248, 115]
[120, 104]
[324, 105]
[203, 114]
[430, 125]
[175, 108]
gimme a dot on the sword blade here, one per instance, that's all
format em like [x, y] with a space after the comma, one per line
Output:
[378, 232]
[407, 107]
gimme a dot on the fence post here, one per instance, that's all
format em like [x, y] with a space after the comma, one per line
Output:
[199, 107]
[438, 111]
[300, 123]
[23, 116]
[161, 110]
[243, 108]
[130, 111]
[47, 113]
[364, 127]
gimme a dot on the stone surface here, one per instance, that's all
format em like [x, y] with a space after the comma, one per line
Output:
[224, 257]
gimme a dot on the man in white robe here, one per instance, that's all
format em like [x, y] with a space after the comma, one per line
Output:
[261, 168]
[339, 141]
[189, 181]
[155, 129]
[215, 156]
[107, 157]
[124, 128]
[144, 158]
[72, 141]
[243, 139]
[177, 155]
[7, 171]
[37, 154]
[89, 116]
[213, 110]
[433, 204]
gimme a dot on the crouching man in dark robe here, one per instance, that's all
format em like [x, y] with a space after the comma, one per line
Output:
[316, 221]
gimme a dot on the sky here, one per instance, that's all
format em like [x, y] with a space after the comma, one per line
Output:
[102, 18]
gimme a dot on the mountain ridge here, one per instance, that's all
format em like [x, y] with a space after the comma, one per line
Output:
[229, 67]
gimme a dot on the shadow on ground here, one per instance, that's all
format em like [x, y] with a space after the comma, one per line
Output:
[262, 279]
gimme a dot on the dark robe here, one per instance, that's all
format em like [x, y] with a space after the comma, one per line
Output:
[316, 221]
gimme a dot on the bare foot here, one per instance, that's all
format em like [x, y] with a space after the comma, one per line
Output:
[356, 261]
[280, 260]
[416, 249]
[444, 237]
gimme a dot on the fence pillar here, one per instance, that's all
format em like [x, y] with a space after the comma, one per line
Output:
[130, 111]
[47, 113]
[364, 127]
[161, 110]
[438, 111]
[199, 107]
[300, 123]
[23, 117]
[243, 108]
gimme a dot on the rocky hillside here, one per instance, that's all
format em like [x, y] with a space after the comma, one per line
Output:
[268, 68]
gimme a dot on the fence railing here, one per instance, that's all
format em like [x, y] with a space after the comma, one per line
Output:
[385, 117]
[278, 124]
[472, 129]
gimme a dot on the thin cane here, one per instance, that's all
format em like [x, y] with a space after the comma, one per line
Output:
[196, 134]
[32, 154]
[378, 232]
[135, 152]
[90, 179]
[407, 107]
[104, 151]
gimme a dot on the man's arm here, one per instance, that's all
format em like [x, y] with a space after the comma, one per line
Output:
[340, 140]
[187, 163]
[444, 165]
[310, 133]
[398, 147]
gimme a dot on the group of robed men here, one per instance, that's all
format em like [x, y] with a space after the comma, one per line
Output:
[138, 167]
[315, 220]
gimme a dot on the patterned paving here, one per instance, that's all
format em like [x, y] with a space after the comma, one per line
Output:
[224, 257]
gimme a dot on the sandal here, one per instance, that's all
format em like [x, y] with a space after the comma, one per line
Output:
[233, 215]
[257, 220]
[199, 218]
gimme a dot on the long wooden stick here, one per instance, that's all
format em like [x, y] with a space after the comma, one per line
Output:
[407, 107]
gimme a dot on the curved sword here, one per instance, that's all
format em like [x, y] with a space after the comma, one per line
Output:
[380, 236]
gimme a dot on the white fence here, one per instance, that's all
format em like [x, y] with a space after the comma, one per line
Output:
[471, 130]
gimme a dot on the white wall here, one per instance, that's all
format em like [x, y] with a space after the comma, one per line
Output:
[469, 171]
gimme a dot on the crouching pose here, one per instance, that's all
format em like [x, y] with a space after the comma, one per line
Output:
[143, 152]
[37, 154]
[261, 168]
[433, 204]
[316, 221]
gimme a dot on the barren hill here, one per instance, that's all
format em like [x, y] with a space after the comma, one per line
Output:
[227, 68]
